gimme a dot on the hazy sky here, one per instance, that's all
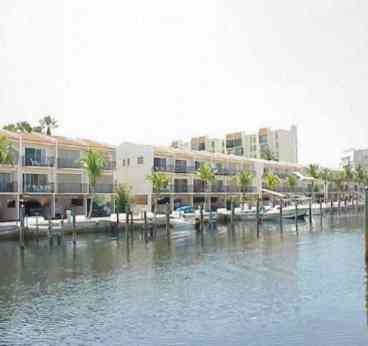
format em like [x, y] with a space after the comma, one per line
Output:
[150, 71]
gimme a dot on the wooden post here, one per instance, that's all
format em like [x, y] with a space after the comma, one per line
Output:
[74, 228]
[168, 220]
[321, 211]
[296, 216]
[258, 217]
[117, 215]
[281, 205]
[331, 205]
[21, 228]
[310, 212]
[202, 218]
[232, 211]
[145, 224]
[366, 208]
[37, 227]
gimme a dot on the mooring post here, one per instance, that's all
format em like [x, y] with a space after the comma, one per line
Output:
[366, 208]
[74, 228]
[145, 224]
[331, 205]
[201, 218]
[232, 211]
[21, 227]
[168, 220]
[117, 216]
[258, 217]
[296, 216]
[37, 227]
[310, 212]
[281, 205]
[49, 225]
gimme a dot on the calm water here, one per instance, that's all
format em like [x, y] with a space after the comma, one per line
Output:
[223, 288]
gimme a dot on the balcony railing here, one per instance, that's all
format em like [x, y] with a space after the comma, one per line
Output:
[38, 188]
[44, 162]
[109, 165]
[203, 189]
[104, 188]
[64, 162]
[9, 187]
[193, 169]
[72, 188]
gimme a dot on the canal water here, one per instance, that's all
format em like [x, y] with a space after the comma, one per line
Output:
[223, 287]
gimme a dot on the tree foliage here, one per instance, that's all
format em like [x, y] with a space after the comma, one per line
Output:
[6, 149]
[122, 197]
[93, 162]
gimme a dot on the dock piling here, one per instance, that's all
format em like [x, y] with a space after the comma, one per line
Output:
[296, 216]
[281, 206]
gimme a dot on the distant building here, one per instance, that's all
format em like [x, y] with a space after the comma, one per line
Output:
[354, 157]
[179, 144]
[282, 144]
[211, 145]
[242, 144]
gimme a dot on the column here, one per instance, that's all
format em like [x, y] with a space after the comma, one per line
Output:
[171, 203]
[85, 206]
[149, 202]
[17, 206]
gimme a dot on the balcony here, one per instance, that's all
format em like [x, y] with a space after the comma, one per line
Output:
[8, 187]
[72, 188]
[64, 162]
[42, 162]
[104, 188]
[38, 188]
[174, 169]
[109, 165]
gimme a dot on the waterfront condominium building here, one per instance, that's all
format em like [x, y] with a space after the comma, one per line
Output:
[47, 175]
[135, 162]
[354, 158]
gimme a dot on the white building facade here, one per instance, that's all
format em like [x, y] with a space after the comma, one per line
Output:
[135, 162]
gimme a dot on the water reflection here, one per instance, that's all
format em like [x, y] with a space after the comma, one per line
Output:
[237, 281]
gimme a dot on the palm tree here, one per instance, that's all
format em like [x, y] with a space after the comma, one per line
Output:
[313, 172]
[291, 182]
[206, 175]
[267, 154]
[349, 174]
[48, 123]
[159, 181]
[339, 178]
[271, 181]
[22, 126]
[326, 176]
[244, 179]
[93, 162]
[360, 175]
[122, 197]
[6, 148]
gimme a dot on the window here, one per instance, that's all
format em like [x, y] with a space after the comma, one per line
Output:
[128, 162]
[11, 203]
[123, 163]
[159, 164]
[140, 160]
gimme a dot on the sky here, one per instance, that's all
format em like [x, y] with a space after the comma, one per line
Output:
[153, 71]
